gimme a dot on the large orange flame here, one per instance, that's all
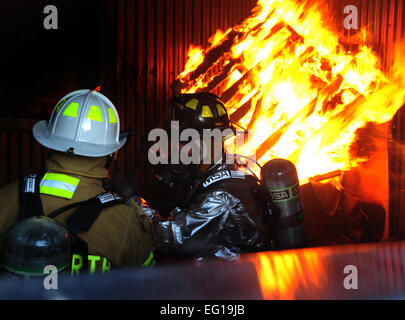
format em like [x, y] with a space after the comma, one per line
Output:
[287, 76]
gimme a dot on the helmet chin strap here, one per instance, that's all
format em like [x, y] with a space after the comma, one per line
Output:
[110, 158]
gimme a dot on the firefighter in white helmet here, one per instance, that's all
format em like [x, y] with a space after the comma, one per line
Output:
[83, 134]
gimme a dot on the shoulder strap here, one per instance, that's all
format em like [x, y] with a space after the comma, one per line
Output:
[30, 201]
[82, 219]
[88, 211]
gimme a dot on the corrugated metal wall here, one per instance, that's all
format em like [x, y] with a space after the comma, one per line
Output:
[383, 21]
[152, 39]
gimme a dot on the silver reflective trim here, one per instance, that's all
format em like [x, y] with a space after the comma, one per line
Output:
[58, 185]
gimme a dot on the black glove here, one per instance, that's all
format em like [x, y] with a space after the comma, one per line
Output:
[120, 185]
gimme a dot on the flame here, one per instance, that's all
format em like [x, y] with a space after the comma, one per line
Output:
[195, 58]
[291, 80]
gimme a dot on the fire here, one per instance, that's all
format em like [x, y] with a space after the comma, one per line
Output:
[289, 78]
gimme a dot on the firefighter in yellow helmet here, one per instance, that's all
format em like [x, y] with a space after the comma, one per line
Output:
[83, 134]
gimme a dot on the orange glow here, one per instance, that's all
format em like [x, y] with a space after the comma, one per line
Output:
[308, 94]
[282, 274]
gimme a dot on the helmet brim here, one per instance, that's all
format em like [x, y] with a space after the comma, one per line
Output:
[41, 134]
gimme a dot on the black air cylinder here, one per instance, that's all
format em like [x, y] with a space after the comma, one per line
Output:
[280, 178]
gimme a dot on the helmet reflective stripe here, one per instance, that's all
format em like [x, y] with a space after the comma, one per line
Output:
[206, 112]
[85, 123]
[111, 116]
[59, 105]
[192, 104]
[221, 110]
[71, 110]
[59, 185]
[95, 114]
[150, 261]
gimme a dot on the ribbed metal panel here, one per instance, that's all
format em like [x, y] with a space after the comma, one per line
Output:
[152, 40]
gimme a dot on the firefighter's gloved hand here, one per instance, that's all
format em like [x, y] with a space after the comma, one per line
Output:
[125, 188]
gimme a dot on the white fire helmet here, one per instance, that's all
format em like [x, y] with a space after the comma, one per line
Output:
[84, 122]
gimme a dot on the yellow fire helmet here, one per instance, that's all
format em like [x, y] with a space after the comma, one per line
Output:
[84, 122]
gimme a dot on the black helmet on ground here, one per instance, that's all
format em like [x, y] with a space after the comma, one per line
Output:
[32, 244]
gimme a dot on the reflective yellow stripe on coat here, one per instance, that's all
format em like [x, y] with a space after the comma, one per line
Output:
[58, 185]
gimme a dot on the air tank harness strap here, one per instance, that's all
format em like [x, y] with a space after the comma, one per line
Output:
[79, 221]
[30, 201]
[88, 211]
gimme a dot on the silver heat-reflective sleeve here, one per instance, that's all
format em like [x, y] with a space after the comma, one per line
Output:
[215, 225]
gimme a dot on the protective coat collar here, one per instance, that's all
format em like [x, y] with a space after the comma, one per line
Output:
[83, 166]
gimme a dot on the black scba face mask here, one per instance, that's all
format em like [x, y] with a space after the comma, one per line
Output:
[174, 170]
[181, 165]
[182, 168]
